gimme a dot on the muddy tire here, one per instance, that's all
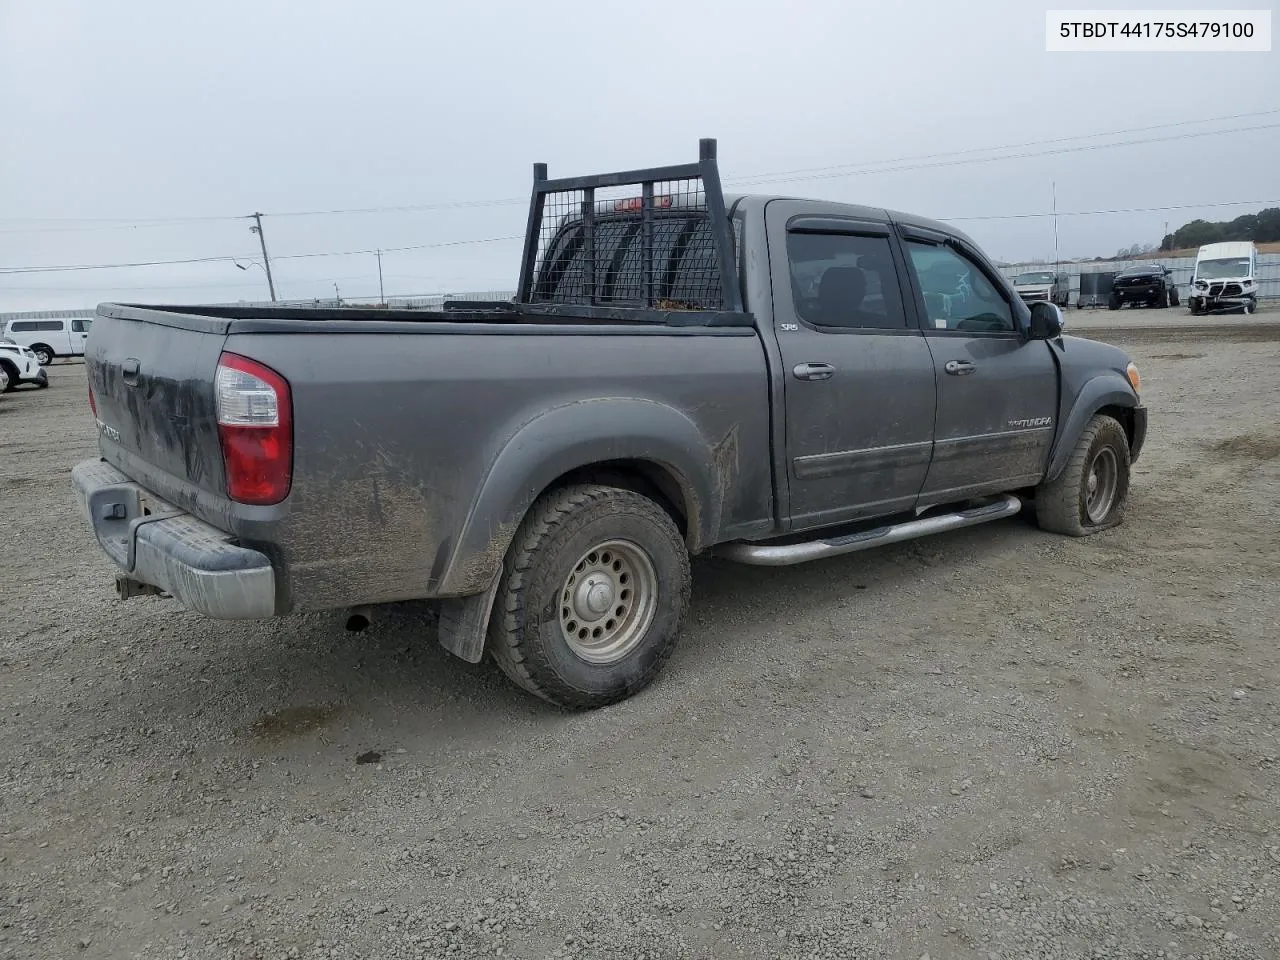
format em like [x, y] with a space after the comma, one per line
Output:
[594, 593]
[1089, 496]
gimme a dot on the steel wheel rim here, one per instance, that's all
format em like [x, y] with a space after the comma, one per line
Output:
[608, 601]
[1101, 483]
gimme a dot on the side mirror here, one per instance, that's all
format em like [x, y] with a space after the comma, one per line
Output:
[1046, 320]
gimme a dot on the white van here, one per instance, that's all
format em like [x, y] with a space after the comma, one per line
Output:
[1225, 278]
[49, 338]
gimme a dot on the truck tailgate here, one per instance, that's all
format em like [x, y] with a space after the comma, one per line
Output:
[151, 375]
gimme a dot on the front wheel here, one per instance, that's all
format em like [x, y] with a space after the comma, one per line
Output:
[1113, 302]
[1090, 494]
[11, 378]
[1173, 296]
[1249, 307]
[595, 589]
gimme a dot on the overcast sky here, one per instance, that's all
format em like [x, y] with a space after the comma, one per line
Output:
[149, 110]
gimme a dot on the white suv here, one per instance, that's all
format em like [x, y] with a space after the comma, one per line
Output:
[21, 365]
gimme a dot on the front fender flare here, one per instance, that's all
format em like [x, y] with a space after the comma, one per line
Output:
[569, 437]
[1105, 390]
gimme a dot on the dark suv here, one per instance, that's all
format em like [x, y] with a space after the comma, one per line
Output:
[1148, 285]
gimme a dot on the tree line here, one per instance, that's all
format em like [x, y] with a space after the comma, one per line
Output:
[1260, 227]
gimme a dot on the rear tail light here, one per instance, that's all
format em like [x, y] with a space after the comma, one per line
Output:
[93, 404]
[255, 428]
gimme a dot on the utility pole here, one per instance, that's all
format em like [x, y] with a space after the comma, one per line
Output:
[262, 239]
[1055, 225]
[381, 294]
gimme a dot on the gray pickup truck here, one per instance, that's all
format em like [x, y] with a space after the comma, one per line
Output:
[766, 379]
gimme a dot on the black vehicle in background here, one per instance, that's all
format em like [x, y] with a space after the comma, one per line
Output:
[1148, 285]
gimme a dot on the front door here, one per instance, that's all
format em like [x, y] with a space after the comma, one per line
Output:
[859, 390]
[997, 391]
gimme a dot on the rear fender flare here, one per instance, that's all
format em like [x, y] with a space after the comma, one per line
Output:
[567, 438]
[1106, 390]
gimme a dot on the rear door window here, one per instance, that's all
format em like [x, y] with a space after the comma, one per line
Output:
[845, 280]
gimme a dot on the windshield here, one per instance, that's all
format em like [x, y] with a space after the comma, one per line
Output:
[1223, 269]
[1025, 278]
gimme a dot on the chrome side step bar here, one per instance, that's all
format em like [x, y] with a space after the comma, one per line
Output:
[784, 555]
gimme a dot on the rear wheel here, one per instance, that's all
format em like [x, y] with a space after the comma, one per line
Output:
[594, 592]
[1091, 492]
[1113, 302]
[1173, 296]
[44, 354]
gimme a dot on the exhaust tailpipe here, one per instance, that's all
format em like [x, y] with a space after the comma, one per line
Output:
[359, 618]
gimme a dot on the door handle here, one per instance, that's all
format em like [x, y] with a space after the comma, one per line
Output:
[959, 368]
[813, 371]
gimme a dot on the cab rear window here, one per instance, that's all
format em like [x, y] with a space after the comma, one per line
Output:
[684, 264]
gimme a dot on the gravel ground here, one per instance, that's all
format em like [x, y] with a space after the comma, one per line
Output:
[993, 744]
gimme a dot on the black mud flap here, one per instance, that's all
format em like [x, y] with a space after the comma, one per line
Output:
[464, 623]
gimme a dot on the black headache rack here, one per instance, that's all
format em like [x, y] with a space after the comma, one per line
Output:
[641, 246]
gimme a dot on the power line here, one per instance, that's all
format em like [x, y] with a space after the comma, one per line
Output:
[63, 268]
[190, 285]
[416, 246]
[1008, 156]
[1009, 146]
[775, 177]
[120, 225]
[784, 176]
[5, 271]
[1098, 213]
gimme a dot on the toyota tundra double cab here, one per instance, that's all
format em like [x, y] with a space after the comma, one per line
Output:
[766, 379]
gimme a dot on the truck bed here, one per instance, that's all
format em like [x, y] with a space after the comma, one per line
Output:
[420, 438]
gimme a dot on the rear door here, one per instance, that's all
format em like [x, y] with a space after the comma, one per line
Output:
[79, 334]
[997, 392]
[859, 383]
[151, 373]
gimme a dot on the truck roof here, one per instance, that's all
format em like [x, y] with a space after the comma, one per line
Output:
[1229, 250]
[880, 214]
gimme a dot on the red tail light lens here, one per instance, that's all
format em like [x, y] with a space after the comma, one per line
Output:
[93, 404]
[255, 428]
[635, 204]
